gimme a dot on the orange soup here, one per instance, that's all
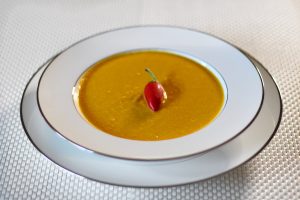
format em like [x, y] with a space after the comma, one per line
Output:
[109, 95]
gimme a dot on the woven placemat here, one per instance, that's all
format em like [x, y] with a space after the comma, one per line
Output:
[31, 32]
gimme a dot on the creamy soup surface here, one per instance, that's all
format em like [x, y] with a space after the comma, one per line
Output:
[109, 95]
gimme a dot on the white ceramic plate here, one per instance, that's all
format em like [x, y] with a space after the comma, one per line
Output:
[152, 173]
[244, 91]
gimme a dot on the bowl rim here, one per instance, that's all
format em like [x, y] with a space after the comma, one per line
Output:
[142, 150]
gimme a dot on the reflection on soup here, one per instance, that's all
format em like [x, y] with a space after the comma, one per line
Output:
[109, 95]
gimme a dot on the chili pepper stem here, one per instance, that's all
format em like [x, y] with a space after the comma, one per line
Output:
[154, 78]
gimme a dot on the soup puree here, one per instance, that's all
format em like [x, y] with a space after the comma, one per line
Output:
[109, 95]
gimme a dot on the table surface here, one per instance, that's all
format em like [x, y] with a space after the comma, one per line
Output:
[31, 32]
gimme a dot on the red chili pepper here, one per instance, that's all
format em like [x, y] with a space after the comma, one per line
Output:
[154, 93]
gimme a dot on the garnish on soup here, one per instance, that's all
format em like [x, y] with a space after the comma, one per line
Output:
[154, 93]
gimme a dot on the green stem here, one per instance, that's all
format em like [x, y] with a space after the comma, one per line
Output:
[154, 78]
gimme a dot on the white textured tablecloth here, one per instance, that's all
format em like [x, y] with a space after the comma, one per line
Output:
[33, 31]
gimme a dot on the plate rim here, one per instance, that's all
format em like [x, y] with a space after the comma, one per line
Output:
[251, 157]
